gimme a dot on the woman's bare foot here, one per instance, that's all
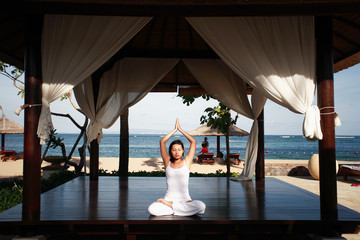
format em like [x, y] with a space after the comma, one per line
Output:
[167, 203]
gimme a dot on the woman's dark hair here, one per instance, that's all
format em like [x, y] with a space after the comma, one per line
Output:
[171, 144]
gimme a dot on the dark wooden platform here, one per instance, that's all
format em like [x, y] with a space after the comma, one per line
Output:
[119, 206]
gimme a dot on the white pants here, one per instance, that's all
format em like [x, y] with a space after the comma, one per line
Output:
[179, 208]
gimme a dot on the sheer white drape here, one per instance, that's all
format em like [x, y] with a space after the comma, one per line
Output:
[121, 87]
[223, 84]
[275, 55]
[73, 47]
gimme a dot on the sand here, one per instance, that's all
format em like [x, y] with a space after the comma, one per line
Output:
[15, 168]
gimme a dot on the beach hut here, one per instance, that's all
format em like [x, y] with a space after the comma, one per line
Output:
[205, 130]
[9, 127]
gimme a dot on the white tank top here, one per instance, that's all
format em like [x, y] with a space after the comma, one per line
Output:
[177, 182]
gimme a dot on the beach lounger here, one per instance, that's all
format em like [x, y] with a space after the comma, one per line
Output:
[207, 158]
[235, 158]
[11, 155]
[350, 169]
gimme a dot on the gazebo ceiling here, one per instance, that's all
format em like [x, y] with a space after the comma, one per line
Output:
[169, 35]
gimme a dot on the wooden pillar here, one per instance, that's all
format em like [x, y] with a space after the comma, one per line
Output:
[33, 95]
[325, 90]
[94, 145]
[2, 142]
[217, 146]
[260, 161]
[124, 144]
[94, 160]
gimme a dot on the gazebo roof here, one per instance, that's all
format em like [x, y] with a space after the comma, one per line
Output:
[9, 127]
[204, 130]
[168, 34]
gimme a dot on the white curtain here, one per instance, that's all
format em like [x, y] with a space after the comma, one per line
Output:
[274, 55]
[73, 47]
[121, 87]
[223, 84]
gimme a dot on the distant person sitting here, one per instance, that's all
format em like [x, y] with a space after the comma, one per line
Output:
[205, 142]
[203, 150]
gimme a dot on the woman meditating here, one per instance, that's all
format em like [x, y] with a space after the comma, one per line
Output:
[177, 200]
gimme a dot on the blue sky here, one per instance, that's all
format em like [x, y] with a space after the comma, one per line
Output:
[157, 112]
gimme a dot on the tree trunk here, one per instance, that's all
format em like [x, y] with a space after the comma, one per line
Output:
[227, 154]
[124, 144]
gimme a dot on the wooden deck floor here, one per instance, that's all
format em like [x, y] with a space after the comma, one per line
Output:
[120, 205]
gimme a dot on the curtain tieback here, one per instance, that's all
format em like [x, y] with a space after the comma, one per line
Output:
[336, 116]
[19, 109]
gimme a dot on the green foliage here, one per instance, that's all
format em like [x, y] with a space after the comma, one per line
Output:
[147, 174]
[219, 117]
[10, 71]
[189, 99]
[103, 172]
[9, 183]
[10, 197]
[11, 189]
[218, 173]
[14, 74]
[54, 142]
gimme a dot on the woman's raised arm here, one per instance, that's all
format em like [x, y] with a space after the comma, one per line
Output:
[164, 154]
[190, 156]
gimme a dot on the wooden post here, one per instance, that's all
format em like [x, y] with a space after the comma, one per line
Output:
[217, 146]
[124, 144]
[325, 90]
[227, 153]
[94, 160]
[33, 95]
[260, 161]
[2, 142]
[94, 145]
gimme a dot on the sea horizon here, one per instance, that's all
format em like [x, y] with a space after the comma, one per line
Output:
[283, 146]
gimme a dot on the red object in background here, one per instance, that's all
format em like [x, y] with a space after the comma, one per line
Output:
[267, 151]
[354, 185]
[356, 152]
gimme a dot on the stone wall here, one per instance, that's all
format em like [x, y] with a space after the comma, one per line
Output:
[285, 169]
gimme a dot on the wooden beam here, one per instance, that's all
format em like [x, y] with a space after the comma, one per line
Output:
[192, 90]
[260, 161]
[163, 88]
[33, 95]
[161, 53]
[327, 156]
[187, 8]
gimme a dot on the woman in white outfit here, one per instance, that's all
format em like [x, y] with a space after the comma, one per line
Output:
[177, 200]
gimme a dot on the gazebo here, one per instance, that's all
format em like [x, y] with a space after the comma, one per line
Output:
[205, 130]
[8, 127]
[122, 32]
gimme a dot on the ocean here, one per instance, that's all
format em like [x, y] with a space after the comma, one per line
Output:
[147, 146]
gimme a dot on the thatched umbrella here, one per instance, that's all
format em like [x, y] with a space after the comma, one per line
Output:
[204, 130]
[8, 127]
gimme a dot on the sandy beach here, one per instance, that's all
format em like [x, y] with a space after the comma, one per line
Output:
[15, 168]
